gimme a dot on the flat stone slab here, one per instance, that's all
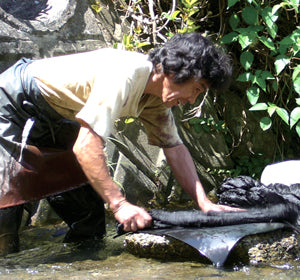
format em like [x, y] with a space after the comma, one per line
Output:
[266, 248]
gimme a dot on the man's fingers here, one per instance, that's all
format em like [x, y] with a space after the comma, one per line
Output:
[133, 226]
[140, 222]
[133, 217]
[130, 225]
[144, 222]
[233, 209]
[221, 207]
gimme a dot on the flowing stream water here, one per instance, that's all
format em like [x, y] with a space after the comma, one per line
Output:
[43, 255]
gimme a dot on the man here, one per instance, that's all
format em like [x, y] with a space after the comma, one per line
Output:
[70, 103]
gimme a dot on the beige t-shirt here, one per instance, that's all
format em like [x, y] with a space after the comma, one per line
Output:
[101, 86]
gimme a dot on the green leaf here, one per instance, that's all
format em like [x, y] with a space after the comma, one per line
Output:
[234, 21]
[265, 123]
[267, 75]
[296, 84]
[245, 40]
[276, 8]
[273, 30]
[261, 77]
[194, 121]
[197, 128]
[283, 114]
[246, 59]
[260, 80]
[267, 42]
[282, 49]
[296, 73]
[142, 44]
[129, 120]
[269, 16]
[275, 85]
[250, 15]
[206, 128]
[229, 38]
[259, 107]
[171, 17]
[253, 95]
[298, 129]
[96, 7]
[295, 34]
[175, 14]
[245, 77]
[231, 3]
[288, 40]
[281, 61]
[295, 116]
[294, 4]
[250, 30]
[271, 109]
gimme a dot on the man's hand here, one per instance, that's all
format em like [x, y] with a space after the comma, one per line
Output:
[209, 206]
[132, 217]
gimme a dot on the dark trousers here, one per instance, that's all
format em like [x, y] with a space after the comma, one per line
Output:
[10, 220]
[82, 209]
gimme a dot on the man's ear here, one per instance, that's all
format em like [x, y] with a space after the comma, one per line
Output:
[158, 68]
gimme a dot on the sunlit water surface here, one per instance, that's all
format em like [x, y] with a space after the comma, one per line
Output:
[43, 255]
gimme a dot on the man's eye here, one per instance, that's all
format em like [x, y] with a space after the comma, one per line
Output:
[198, 90]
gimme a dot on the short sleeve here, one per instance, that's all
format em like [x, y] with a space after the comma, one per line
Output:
[103, 106]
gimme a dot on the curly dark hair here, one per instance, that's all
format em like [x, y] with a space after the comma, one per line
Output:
[191, 55]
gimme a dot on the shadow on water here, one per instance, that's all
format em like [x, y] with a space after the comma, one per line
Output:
[43, 255]
[44, 245]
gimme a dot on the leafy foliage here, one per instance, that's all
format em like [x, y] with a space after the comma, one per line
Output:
[269, 57]
[207, 124]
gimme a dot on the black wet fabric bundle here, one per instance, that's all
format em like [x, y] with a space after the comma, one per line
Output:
[273, 203]
[245, 192]
[161, 219]
[262, 204]
[276, 213]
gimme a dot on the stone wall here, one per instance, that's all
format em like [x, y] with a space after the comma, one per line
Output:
[38, 29]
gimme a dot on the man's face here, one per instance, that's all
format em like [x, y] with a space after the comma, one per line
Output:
[174, 94]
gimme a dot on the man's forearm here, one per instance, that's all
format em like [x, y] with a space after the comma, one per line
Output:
[184, 170]
[89, 151]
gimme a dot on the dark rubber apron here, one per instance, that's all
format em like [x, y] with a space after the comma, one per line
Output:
[36, 158]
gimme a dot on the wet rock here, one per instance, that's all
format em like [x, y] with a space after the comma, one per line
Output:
[267, 248]
[160, 247]
[44, 214]
[283, 249]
